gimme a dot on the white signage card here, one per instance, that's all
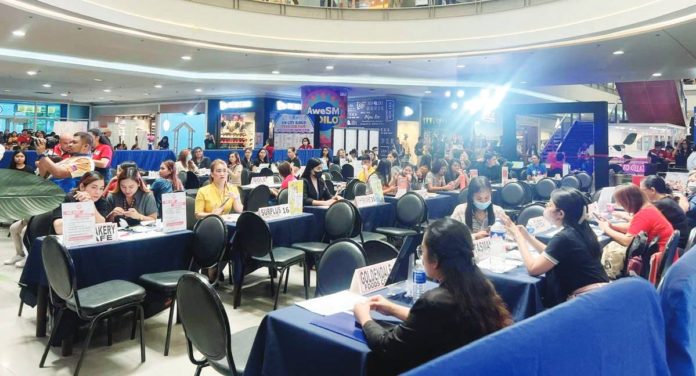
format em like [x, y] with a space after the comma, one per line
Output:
[539, 224]
[371, 278]
[153, 174]
[376, 187]
[274, 212]
[262, 180]
[295, 196]
[174, 211]
[365, 200]
[400, 192]
[78, 223]
[481, 246]
[106, 232]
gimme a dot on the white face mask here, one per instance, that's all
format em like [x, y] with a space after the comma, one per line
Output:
[691, 187]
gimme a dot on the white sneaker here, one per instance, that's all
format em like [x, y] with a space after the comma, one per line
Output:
[20, 263]
[13, 260]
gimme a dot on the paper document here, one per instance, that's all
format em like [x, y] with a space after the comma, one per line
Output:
[334, 303]
[498, 267]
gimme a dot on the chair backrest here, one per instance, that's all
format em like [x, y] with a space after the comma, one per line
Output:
[348, 171]
[349, 193]
[653, 247]
[283, 196]
[326, 175]
[277, 179]
[528, 212]
[377, 251]
[403, 260]
[336, 175]
[595, 195]
[209, 241]
[204, 319]
[691, 241]
[544, 187]
[359, 189]
[190, 212]
[668, 256]
[411, 209]
[192, 180]
[585, 180]
[252, 236]
[463, 195]
[257, 198]
[246, 176]
[330, 186]
[570, 181]
[265, 172]
[59, 267]
[339, 220]
[182, 177]
[38, 225]
[335, 168]
[513, 194]
[338, 263]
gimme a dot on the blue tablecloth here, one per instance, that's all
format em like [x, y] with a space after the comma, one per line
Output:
[373, 216]
[590, 335]
[521, 292]
[148, 160]
[678, 297]
[278, 154]
[439, 206]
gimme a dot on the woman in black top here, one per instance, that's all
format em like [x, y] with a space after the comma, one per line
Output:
[261, 158]
[89, 189]
[571, 259]
[19, 162]
[247, 162]
[681, 154]
[315, 191]
[198, 159]
[464, 308]
[164, 143]
[660, 195]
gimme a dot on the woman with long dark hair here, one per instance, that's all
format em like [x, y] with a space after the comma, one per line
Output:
[89, 189]
[325, 158]
[657, 191]
[478, 213]
[184, 162]
[131, 200]
[435, 180]
[261, 158]
[167, 182]
[163, 144]
[464, 308]
[102, 154]
[315, 191]
[571, 259]
[199, 159]
[19, 162]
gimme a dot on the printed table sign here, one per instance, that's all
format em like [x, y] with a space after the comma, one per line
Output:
[376, 188]
[78, 223]
[106, 232]
[365, 200]
[371, 278]
[481, 246]
[539, 224]
[262, 180]
[295, 196]
[274, 212]
[174, 211]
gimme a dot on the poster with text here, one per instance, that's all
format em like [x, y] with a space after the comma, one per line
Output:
[237, 130]
[328, 106]
[79, 220]
[289, 130]
[375, 113]
[174, 211]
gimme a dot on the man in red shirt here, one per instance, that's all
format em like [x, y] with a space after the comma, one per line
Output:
[62, 149]
[24, 138]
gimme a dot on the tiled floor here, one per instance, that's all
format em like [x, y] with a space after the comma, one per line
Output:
[20, 350]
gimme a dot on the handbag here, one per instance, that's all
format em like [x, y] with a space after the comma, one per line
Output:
[613, 257]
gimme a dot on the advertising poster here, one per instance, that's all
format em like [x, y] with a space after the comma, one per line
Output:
[375, 113]
[237, 130]
[289, 130]
[328, 106]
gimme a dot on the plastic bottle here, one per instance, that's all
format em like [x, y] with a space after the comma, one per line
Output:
[497, 240]
[419, 279]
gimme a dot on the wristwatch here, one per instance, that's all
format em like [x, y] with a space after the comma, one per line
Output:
[41, 156]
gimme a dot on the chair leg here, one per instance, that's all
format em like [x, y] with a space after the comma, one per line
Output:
[52, 337]
[21, 305]
[306, 281]
[141, 311]
[198, 370]
[109, 333]
[287, 277]
[92, 326]
[277, 293]
[272, 285]
[135, 322]
[169, 327]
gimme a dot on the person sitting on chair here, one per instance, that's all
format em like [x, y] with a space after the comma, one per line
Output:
[315, 191]
[131, 200]
[478, 213]
[219, 197]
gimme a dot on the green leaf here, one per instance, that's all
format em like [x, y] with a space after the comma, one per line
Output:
[23, 195]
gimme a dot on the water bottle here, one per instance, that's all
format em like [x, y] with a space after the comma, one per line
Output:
[418, 284]
[497, 244]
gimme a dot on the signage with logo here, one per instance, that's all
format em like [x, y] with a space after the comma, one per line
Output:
[295, 196]
[235, 105]
[328, 106]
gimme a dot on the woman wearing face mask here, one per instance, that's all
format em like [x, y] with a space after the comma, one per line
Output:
[89, 189]
[167, 182]
[305, 144]
[247, 162]
[185, 162]
[435, 180]
[315, 191]
[478, 213]
[219, 197]
[571, 259]
[131, 200]
[660, 195]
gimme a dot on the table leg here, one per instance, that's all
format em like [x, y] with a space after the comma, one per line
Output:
[41, 311]
[67, 346]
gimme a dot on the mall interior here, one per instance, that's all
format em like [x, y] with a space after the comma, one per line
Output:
[596, 98]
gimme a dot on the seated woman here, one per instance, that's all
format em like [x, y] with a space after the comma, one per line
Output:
[325, 158]
[234, 165]
[421, 173]
[366, 169]
[456, 175]
[384, 174]
[393, 158]
[261, 158]
[535, 168]
[462, 309]
[315, 191]
[18, 162]
[198, 159]
[478, 213]
[247, 162]
[185, 162]
[167, 182]
[285, 172]
[660, 195]
[219, 197]
[571, 259]
[305, 144]
[89, 189]
[435, 180]
[646, 218]
[131, 200]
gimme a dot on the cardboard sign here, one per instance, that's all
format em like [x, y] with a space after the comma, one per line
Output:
[366, 200]
[78, 223]
[274, 212]
[174, 211]
[106, 232]
[262, 180]
[539, 224]
[376, 188]
[295, 196]
[481, 246]
[371, 278]
[473, 173]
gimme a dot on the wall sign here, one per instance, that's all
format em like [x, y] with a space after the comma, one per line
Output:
[328, 106]
[235, 105]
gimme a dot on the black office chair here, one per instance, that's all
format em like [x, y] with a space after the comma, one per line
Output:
[37, 226]
[335, 272]
[349, 192]
[336, 175]
[93, 303]
[377, 251]
[182, 177]
[348, 171]
[359, 189]
[691, 241]
[208, 247]
[190, 212]
[335, 168]
[253, 238]
[544, 188]
[257, 198]
[463, 195]
[265, 172]
[192, 181]
[363, 236]
[207, 328]
[283, 196]
[570, 181]
[277, 179]
[513, 196]
[411, 213]
[528, 212]
[330, 186]
[585, 181]
[326, 175]
[667, 257]
[246, 176]
[638, 246]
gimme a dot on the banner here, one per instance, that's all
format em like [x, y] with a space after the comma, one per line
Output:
[289, 130]
[328, 107]
[375, 113]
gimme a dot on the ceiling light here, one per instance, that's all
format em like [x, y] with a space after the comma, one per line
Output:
[427, 92]
[618, 52]
[454, 105]
[329, 67]
[31, 73]
[46, 85]
[275, 72]
[460, 66]
[19, 33]
[98, 79]
[186, 57]
[523, 82]
[460, 93]
[198, 90]
[146, 94]
[63, 94]
[6, 90]
[657, 74]
[448, 94]
[158, 86]
[107, 90]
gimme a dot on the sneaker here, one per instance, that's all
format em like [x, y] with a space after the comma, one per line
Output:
[20, 263]
[13, 260]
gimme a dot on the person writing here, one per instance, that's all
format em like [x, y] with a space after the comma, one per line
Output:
[535, 167]
[131, 200]
[89, 189]
[315, 191]
[167, 182]
[219, 197]
[571, 259]
[478, 213]
[462, 309]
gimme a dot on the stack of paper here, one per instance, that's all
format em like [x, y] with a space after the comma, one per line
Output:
[334, 303]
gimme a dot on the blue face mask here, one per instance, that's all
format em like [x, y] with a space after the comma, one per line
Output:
[482, 205]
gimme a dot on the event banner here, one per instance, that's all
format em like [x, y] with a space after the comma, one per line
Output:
[375, 113]
[290, 129]
[237, 130]
[328, 107]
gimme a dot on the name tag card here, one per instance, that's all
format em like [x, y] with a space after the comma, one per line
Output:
[539, 224]
[481, 246]
[262, 180]
[274, 212]
[400, 192]
[78, 223]
[371, 278]
[153, 174]
[504, 173]
[174, 211]
[295, 198]
[106, 232]
[366, 200]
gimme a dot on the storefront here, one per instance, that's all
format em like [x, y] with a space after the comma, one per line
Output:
[18, 115]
